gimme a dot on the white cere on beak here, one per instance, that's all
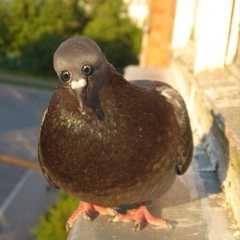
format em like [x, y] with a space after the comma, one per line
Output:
[78, 84]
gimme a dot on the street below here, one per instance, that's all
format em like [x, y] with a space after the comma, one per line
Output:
[24, 193]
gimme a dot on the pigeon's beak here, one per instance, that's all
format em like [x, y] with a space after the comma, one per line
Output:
[79, 88]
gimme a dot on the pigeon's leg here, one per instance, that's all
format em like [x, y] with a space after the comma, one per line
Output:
[85, 209]
[105, 210]
[88, 211]
[141, 216]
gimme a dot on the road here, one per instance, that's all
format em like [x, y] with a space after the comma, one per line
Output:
[23, 195]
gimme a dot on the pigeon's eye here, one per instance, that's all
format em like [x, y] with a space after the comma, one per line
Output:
[65, 75]
[87, 70]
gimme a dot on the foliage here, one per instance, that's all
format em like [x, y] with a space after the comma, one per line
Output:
[3, 29]
[111, 27]
[52, 226]
[30, 31]
[37, 55]
[29, 20]
[34, 29]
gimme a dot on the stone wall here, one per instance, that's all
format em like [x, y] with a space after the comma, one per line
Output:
[214, 104]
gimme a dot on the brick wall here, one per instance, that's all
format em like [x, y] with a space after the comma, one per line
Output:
[157, 49]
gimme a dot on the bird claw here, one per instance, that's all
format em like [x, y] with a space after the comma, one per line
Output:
[89, 215]
[84, 209]
[89, 212]
[141, 217]
[139, 225]
[68, 226]
[105, 210]
[168, 225]
[116, 218]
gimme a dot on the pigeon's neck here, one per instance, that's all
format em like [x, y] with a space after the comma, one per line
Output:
[113, 98]
[66, 108]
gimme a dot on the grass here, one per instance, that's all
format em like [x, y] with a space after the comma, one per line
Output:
[52, 225]
[27, 84]
[25, 80]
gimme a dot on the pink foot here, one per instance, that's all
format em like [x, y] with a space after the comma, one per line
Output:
[141, 216]
[89, 211]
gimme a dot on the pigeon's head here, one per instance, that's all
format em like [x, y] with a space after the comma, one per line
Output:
[82, 68]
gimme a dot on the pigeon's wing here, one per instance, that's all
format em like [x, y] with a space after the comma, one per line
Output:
[40, 158]
[185, 149]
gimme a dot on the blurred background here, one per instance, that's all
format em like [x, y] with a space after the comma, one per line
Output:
[31, 30]
[191, 44]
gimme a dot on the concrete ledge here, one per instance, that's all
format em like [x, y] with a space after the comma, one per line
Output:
[195, 203]
[214, 102]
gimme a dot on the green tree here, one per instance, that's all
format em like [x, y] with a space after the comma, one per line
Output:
[3, 27]
[57, 20]
[21, 23]
[29, 20]
[61, 18]
[35, 29]
[52, 226]
[37, 56]
[111, 27]
[32, 30]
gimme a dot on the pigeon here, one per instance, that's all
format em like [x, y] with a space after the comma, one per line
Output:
[110, 142]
